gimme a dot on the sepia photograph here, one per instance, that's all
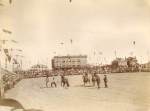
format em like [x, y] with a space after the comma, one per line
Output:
[74, 55]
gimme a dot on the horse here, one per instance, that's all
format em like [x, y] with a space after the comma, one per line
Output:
[86, 79]
[97, 78]
[64, 82]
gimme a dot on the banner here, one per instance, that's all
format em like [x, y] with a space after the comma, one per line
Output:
[15, 61]
[6, 51]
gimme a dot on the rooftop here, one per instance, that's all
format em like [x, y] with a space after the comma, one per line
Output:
[72, 56]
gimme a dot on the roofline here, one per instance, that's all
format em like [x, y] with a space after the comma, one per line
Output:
[69, 56]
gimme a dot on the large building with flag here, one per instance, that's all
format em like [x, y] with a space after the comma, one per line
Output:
[68, 62]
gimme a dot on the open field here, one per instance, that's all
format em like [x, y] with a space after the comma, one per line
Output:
[126, 92]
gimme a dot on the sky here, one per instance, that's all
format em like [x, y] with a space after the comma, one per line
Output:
[94, 26]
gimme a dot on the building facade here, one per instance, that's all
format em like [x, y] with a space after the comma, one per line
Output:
[68, 62]
[145, 67]
[129, 64]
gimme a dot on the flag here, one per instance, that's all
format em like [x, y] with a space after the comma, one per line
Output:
[6, 51]
[7, 31]
[100, 53]
[62, 43]
[14, 41]
[15, 61]
[19, 50]
[8, 57]
[10, 1]
[94, 53]
[1, 4]
[71, 41]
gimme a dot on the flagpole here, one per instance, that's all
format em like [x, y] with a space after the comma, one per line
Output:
[134, 48]
[115, 54]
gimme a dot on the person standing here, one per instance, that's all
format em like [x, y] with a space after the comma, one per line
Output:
[105, 81]
[62, 80]
[47, 81]
[67, 82]
[93, 79]
[53, 83]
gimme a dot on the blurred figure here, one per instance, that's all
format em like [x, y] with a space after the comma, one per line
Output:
[64, 81]
[86, 79]
[53, 83]
[47, 80]
[93, 79]
[105, 81]
[97, 80]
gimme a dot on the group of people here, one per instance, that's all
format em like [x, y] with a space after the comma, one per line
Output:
[95, 79]
[87, 79]
[64, 81]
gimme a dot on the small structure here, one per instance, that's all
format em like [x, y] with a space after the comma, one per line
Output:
[129, 64]
[145, 67]
[119, 65]
[38, 70]
[69, 62]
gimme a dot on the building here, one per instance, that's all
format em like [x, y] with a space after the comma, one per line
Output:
[132, 62]
[69, 62]
[129, 64]
[145, 67]
[119, 62]
[119, 65]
